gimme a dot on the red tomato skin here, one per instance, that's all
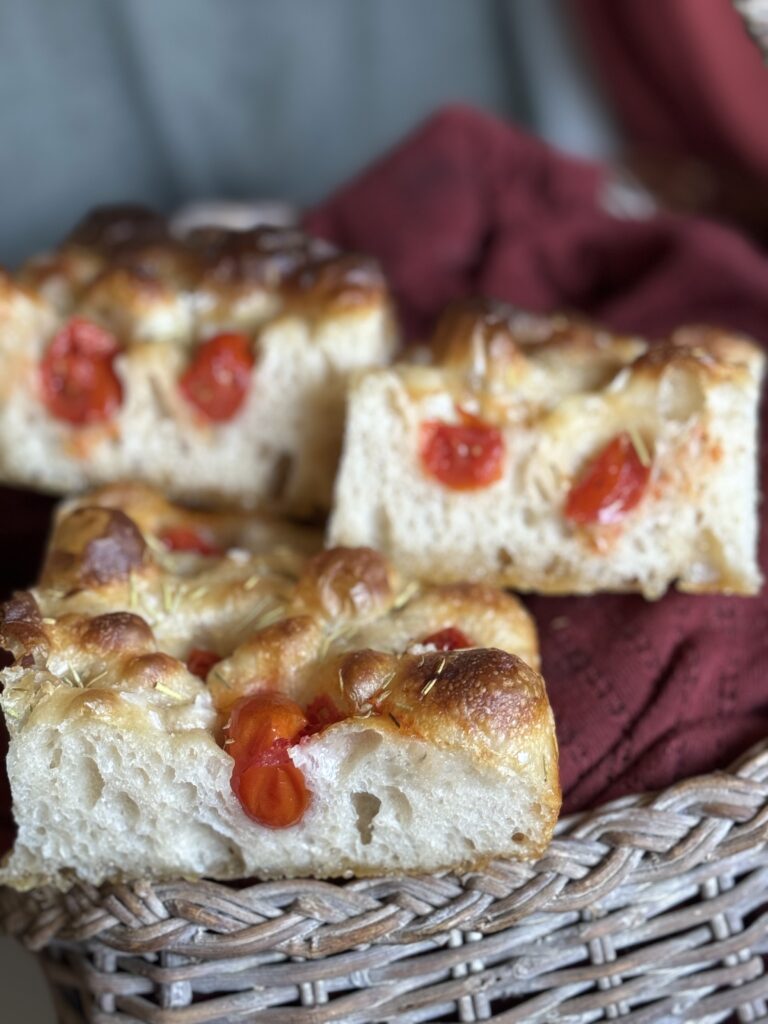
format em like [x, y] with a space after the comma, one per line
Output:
[321, 713]
[274, 795]
[270, 788]
[610, 486]
[186, 538]
[449, 639]
[464, 456]
[79, 383]
[260, 722]
[217, 380]
[200, 662]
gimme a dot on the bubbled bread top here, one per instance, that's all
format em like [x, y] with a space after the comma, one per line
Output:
[117, 613]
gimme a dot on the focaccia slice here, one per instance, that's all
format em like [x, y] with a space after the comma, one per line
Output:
[213, 366]
[183, 705]
[546, 454]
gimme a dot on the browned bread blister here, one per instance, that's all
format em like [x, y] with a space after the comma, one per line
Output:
[310, 316]
[118, 764]
[555, 392]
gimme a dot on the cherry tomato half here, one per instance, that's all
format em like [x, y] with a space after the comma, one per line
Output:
[448, 639]
[274, 795]
[463, 456]
[610, 486]
[186, 538]
[216, 381]
[270, 788]
[259, 722]
[200, 662]
[79, 382]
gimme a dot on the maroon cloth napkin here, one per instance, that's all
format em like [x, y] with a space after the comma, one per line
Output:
[644, 693]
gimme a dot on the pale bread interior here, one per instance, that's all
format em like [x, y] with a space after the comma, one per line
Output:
[100, 803]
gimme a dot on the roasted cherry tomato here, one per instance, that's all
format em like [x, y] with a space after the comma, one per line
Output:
[186, 538]
[270, 788]
[275, 795]
[200, 662]
[79, 382]
[448, 639]
[259, 722]
[464, 456]
[611, 485]
[217, 380]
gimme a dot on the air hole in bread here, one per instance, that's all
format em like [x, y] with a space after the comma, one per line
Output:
[187, 792]
[92, 782]
[55, 759]
[127, 808]
[366, 808]
[281, 474]
[681, 395]
[364, 745]
[519, 837]
[400, 804]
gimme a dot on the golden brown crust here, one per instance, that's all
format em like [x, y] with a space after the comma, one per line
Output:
[479, 699]
[490, 692]
[93, 546]
[121, 262]
[345, 582]
[703, 350]
[21, 628]
[473, 323]
[505, 334]
[153, 515]
[111, 228]
[263, 256]
[489, 334]
[145, 671]
[116, 632]
[122, 298]
[333, 283]
[270, 659]
[104, 237]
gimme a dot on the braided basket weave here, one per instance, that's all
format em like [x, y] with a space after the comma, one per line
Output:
[652, 908]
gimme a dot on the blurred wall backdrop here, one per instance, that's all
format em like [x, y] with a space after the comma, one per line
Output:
[165, 101]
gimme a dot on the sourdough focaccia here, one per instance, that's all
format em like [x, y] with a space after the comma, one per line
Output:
[213, 366]
[545, 454]
[192, 698]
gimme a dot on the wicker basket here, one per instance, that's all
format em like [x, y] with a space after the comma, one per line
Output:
[653, 908]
